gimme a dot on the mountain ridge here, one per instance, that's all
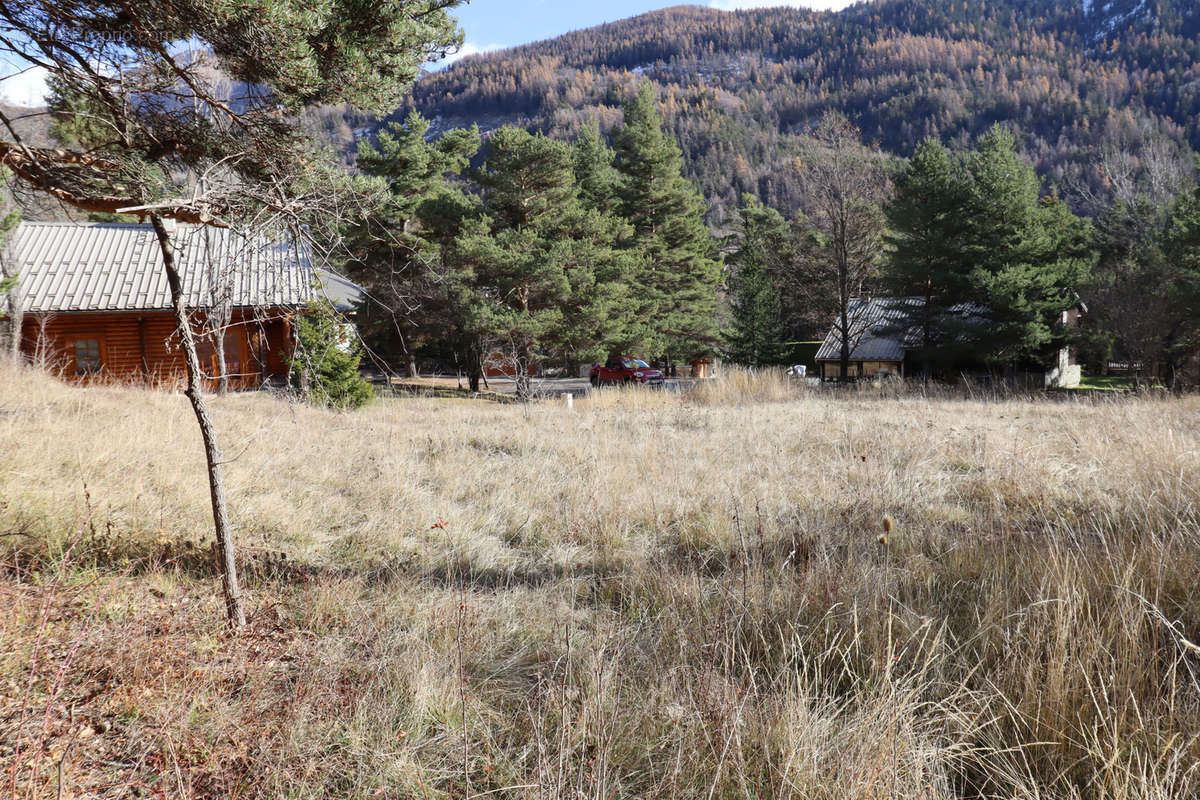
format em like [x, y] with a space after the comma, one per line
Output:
[739, 88]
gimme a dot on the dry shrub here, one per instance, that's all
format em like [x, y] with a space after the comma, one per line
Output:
[625, 398]
[645, 597]
[735, 386]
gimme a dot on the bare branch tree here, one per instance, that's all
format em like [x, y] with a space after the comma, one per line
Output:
[12, 309]
[844, 188]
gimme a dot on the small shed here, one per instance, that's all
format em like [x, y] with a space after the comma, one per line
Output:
[97, 305]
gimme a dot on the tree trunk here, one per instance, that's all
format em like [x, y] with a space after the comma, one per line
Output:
[927, 336]
[844, 350]
[474, 366]
[222, 369]
[522, 361]
[227, 562]
[16, 318]
[410, 358]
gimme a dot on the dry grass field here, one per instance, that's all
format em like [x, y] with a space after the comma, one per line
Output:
[652, 596]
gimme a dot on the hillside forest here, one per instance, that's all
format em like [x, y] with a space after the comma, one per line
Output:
[740, 90]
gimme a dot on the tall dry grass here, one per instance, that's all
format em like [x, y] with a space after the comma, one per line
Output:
[652, 596]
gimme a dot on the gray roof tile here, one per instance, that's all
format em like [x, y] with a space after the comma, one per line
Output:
[66, 266]
[883, 328]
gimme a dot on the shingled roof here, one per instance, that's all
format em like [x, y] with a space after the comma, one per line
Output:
[69, 266]
[886, 327]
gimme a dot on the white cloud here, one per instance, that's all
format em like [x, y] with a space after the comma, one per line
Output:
[819, 5]
[468, 49]
[27, 88]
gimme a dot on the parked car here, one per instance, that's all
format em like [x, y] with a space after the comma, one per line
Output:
[623, 369]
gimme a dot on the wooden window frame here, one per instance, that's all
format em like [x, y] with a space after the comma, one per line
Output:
[73, 353]
[206, 352]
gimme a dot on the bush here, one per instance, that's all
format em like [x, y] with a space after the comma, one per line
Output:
[325, 364]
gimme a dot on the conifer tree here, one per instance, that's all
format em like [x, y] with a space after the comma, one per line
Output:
[594, 173]
[925, 227]
[398, 249]
[763, 253]
[537, 271]
[1183, 289]
[973, 228]
[677, 288]
[1023, 256]
[326, 362]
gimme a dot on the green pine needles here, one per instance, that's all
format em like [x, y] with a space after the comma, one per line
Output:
[973, 227]
[326, 362]
[544, 251]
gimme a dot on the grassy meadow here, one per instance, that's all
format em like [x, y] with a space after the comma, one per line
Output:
[752, 591]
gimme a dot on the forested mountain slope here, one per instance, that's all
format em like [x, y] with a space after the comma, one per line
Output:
[738, 88]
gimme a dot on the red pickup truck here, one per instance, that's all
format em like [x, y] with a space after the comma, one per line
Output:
[622, 369]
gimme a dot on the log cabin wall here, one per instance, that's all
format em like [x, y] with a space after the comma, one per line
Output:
[143, 347]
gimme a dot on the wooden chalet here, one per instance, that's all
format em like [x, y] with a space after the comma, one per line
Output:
[97, 305]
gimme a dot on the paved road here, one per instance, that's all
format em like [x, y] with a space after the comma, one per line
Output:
[556, 387]
[546, 387]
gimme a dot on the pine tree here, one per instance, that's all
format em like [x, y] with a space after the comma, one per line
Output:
[1183, 289]
[326, 363]
[925, 236]
[1025, 255]
[398, 249]
[594, 173]
[537, 271]
[763, 252]
[677, 291]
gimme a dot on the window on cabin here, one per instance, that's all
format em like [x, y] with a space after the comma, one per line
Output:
[87, 356]
[206, 351]
[206, 356]
[233, 352]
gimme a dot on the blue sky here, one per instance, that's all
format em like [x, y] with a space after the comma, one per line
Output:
[487, 25]
[492, 24]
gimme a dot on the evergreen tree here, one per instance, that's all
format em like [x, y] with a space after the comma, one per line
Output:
[326, 363]
[594, 173]
[398, 249]
[1023, 256]
[925, 229]
[677, 290]
[763, 252]
[1183, 286]
[537, 272]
